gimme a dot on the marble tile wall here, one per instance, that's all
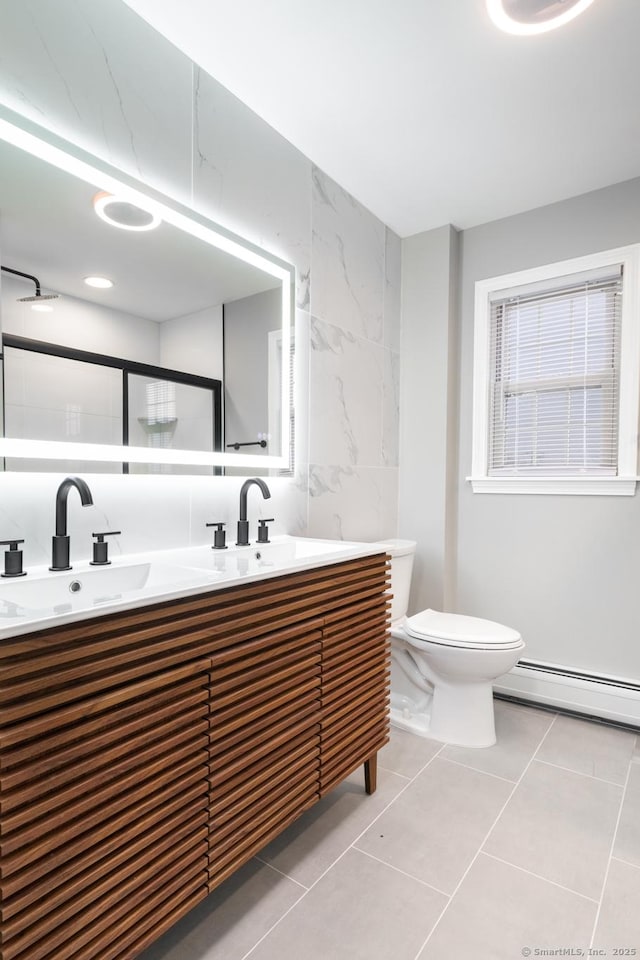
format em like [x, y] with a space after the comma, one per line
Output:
[101, 77]
[354, 368]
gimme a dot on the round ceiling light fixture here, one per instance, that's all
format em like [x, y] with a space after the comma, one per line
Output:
[534, 16]
[101, 283]
[122, 213]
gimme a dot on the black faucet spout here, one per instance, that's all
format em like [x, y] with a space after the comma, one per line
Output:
[61, 540]
[61, 501]
[243, 523]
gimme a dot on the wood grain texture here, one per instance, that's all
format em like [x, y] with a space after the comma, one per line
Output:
[146, 755]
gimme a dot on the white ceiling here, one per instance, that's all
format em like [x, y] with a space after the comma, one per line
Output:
[420, 108]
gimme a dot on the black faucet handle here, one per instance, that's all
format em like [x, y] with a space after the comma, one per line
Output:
[263, 530]
[219, 536]
[101, 547]
[12, 559]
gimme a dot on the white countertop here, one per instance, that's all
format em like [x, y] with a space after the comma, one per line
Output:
[45, 599]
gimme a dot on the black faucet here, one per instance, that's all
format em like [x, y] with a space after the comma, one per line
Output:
[243, 523]
[61, 542]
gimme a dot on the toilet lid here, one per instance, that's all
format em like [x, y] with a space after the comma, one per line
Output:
[456, 630]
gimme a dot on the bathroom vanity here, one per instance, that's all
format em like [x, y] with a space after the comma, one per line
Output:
[153, 740]
[163, 717]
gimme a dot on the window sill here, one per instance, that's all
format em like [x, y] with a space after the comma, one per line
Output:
[575, 486]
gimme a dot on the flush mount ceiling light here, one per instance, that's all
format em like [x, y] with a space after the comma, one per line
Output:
[102, 283]
[122, 213]
[534, 16]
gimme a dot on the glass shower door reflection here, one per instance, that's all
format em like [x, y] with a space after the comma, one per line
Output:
[166, 413]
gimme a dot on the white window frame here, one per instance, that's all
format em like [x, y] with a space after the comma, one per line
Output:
[624, 482]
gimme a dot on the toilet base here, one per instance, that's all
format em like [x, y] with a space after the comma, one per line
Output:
[475, 728]
[457, 713]
[462, 714]
[417, 723]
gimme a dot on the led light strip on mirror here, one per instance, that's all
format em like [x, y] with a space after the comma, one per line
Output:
[44, 145]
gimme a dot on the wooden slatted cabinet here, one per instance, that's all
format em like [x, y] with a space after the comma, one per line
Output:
[264, 741]
[146, 755]
[103, 810]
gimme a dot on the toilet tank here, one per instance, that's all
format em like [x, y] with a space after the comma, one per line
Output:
[402, 553]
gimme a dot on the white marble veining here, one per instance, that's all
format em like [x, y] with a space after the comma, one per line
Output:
[98, 75]
[352, 502]
[301, 391]
[298, 490]
[391, 409]
[347, 256]
[250, 179]
[392, 290]
[346, 396]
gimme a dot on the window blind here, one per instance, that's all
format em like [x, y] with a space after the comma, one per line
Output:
[554, 390]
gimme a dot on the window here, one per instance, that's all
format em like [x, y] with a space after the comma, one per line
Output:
[556, 375]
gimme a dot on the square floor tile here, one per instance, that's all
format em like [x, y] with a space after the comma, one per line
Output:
[434, 830]
[311, 844]
[591, 748]
[407, 753]
[231, 920]
[619, 921]
[559, 825]
[500, 912]
[519, 731]
[360, 910]
[627, 845]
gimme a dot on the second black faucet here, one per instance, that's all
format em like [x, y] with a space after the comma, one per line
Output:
[243, 523]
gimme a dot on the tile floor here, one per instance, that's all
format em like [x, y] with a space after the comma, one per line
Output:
[529, 848]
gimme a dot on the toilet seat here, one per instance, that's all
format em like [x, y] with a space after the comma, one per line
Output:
[457, 630]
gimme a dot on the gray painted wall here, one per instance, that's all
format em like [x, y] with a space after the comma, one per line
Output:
[428, 403]
[564, 570]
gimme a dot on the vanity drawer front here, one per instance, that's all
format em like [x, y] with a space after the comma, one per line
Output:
[255, 836]
[127, 935]
[105, 809]
[264, 741]
[145, 756]
[355, 686]
[64, 665]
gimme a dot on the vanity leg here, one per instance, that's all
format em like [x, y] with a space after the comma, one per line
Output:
[371, 774]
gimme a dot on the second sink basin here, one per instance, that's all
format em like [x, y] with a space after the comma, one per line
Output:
[282, 553]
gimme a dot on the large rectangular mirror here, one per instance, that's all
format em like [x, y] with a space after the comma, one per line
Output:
[179, 360]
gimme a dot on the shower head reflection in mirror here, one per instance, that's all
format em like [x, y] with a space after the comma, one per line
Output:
[167, 283]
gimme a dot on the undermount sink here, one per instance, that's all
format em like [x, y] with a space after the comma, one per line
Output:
[83, 589]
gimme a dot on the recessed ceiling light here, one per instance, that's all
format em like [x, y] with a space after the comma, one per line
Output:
[102, 283]
[120, 212]
[42, 307]
[534, 16]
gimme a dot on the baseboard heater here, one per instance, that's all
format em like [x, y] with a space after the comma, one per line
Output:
[613, 699]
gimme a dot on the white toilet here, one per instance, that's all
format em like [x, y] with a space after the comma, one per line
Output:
[443, 664]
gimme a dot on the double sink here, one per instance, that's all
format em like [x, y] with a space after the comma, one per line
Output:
[44, 599]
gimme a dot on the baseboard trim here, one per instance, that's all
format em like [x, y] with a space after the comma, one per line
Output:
[549, 685]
